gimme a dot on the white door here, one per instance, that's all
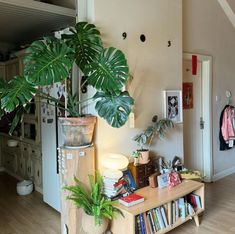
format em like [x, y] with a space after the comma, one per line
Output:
[193, 132]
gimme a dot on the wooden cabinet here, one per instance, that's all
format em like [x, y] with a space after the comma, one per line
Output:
[23, 161]
[141, 173]
[79, 163]
[11, 69]
[154, 198]
[37, 164]
[2, 71]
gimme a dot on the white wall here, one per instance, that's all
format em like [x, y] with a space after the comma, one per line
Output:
[207, 30]
[155, 67]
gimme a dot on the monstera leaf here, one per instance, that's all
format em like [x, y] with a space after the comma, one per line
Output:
[85, 39]
[18, 92]
[110, 72]
[114, 109]
[47, 61]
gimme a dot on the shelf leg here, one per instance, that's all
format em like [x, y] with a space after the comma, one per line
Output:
[196, 219]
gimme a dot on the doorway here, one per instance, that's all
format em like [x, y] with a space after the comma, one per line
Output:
[197, 115]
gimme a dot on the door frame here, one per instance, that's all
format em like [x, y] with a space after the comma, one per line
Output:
[207, 112]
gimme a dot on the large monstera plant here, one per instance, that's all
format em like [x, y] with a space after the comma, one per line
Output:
[50, 60]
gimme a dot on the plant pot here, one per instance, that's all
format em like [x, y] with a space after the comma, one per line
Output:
[144, 157]
[88, 224]
[78, 131]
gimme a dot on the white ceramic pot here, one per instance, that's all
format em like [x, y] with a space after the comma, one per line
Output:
[88, 225]
[144, 157]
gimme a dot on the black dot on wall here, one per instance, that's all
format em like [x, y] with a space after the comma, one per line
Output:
[142, 38]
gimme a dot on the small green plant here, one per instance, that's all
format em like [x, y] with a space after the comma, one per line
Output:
[158, 128]
[93, 202]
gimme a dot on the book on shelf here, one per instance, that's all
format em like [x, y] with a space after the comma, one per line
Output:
[131, 200]
[147, 224]
[142, 224]
[159, 218]
[163, 212]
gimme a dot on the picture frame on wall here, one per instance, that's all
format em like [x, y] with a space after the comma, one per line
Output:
[173, 105]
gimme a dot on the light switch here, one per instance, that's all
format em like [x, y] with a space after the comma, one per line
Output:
[217, 98]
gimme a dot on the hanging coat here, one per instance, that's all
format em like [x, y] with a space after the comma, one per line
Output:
[223, 144]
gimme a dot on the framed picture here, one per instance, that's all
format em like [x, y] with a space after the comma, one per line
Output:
[162, 180]
[173, 105]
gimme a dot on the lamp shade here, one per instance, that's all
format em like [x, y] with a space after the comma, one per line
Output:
[115, 161]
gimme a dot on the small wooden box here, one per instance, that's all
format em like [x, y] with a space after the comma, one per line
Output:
[141, 173]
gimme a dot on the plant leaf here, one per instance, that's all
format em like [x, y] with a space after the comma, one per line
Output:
[114, 109]
[18, 92]
[47, 61]
[85, 39]
[110, 72]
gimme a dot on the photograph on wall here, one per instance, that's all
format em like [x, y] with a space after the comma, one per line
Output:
[173, 105]
[187, 95]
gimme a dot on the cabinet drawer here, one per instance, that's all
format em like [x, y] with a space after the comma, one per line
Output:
[149, 170]
[35, 152]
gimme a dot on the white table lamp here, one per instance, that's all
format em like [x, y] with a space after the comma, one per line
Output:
[114, 164]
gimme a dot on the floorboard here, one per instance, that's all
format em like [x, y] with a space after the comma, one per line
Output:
[25, 214]
[219, 216]
[30, 215]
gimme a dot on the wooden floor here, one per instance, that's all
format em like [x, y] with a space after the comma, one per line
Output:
[29, 215]
[219, 217]
[25, 214]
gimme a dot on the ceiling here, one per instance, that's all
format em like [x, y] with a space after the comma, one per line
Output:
[26, 20]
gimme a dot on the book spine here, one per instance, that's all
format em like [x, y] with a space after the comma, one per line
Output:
[138, 224]
[142, 226]
[155, 219]
[163, 213]
[176, 210]
[160, 219]
[146, 222]
[198, 201]
[152, 221]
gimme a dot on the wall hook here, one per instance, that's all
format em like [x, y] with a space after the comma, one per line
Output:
[169, 44]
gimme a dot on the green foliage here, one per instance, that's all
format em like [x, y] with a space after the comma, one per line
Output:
[47, 61]
[50, 60]
[110, 72]
[18, 92]
[86, 42]
[93, 202]
[158, 128]
[115, 109]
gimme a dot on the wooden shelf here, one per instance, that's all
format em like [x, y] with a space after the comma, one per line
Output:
[155, 197]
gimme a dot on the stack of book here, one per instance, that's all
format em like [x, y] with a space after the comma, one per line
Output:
[151, 221]
[113, 187]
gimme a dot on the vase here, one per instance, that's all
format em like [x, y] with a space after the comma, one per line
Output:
[89, 226]
[78, 131]
[144, 157]
[136, 161]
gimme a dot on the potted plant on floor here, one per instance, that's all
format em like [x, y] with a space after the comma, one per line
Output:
[97, 208]
[50, 60]
[145, 138]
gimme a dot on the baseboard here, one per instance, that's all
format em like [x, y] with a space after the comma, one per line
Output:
[13, 174]
[38, 189]
[224, 173]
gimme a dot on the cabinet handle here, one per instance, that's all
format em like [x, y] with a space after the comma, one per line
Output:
[25, 149]
[33, 151]
[38, 174]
